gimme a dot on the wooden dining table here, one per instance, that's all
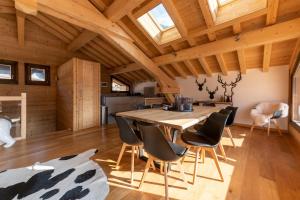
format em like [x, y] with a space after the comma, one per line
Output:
[171, 121]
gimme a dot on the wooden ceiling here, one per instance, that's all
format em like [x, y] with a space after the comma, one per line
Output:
[250, 41]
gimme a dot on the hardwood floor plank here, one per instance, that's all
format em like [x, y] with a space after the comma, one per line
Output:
[260, 167]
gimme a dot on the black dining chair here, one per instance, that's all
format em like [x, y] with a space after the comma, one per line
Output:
[130, 138]
[207, 138]
[230, 122]
[158, 148]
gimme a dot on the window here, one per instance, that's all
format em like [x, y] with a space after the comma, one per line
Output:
[227, 10]
[37, 74]
[296, 94]
[159, 25]
[119, 86]
[8, 72]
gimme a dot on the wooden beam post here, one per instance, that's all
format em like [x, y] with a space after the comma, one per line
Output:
[85, 37]
[21, 28]
[267, 57]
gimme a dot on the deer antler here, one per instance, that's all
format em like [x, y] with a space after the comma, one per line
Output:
[238, 78]
[220, 80]
[216, 89]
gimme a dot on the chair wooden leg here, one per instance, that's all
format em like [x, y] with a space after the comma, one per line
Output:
[222, 151]
[269, 124]
[277, 126]
[252, 127]
[230, 135]
[132, 163]
[202, 155]
[137, 152]
[166, 181]
[161, 167]
[182, 173]
[121, 154]
[214, 156]
[150, 160]
[196, 165]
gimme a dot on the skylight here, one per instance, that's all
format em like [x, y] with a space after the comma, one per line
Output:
[161, 17]
[159, 25]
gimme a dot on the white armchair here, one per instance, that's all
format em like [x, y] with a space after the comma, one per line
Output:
[267, 112]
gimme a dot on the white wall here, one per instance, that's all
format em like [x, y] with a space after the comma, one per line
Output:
[140, 86]
[255, 87]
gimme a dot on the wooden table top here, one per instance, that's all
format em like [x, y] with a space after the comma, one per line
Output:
[177, 120]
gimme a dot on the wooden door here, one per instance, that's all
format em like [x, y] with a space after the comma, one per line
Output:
[87, 94]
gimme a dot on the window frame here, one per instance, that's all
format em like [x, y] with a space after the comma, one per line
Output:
[295, 68]
[111, 82]
[28, 81]
[14, 72]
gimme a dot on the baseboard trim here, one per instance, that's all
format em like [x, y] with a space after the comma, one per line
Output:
[260, 128]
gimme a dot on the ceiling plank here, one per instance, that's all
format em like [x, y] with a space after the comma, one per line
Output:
[21, 28]
[242, 61]
[120, 8]
[7, 10]
[168, 71]
[99, 4]
[104, 45]
[85, 37]
[205, 66]
[192, 69]
[127, 68]
[222, 64]
[274, 33]
[179, 69]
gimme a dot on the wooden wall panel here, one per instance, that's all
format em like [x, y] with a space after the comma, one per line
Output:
[41, 102]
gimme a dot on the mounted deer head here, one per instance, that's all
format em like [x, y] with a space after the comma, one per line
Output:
[212, 93]
[200, 85]
[232, 85]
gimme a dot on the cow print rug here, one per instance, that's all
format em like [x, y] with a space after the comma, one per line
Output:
[65, 178]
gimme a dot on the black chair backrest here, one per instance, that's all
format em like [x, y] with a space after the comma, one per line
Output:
[231, 117]
[213, 127]
[127, 134]
[155, 143]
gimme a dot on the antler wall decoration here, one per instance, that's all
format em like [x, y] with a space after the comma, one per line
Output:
[212, 93]
[200, 85]
[232, 85]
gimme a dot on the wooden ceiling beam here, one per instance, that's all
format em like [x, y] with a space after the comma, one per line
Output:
[85, 37]
[274, 33]
[139, 42]
[21, 28]
[271, 19]
[222, 64]
[200, 31]
[294, 56]
[192, 69]
[205, 66]
[120, 8]
[267, 57]
[174, 14]
[26, 6]
[242, 61]
[98, 4]
[127, 68]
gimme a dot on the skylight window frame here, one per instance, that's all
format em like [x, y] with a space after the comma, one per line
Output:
[159, 38]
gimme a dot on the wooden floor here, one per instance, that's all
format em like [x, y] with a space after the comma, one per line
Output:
[260, 167]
